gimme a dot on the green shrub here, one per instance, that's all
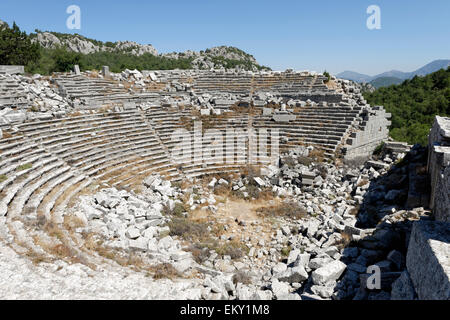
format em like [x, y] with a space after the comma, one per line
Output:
[285, 251]
[378, 149]
[326, 74]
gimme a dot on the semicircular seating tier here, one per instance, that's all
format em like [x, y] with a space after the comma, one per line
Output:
[45, 164]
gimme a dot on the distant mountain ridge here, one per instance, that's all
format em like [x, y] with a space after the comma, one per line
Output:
[395, 74]
[385, 81]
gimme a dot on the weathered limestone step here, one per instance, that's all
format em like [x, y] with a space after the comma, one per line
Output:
[59, 211]
[24, 195]
[48, 206]
[38, 197]
[46, 166]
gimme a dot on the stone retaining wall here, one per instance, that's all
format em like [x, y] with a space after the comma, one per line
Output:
[439, 168]
[373, 130]
[12, 69]
[428, 260]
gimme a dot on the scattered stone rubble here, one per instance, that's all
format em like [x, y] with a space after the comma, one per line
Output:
[330, 248]
[351, 216]
[25, 98]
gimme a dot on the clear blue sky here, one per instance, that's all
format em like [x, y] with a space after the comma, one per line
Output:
[298, 34]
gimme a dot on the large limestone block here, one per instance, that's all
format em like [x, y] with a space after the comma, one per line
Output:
[442, 195]
[428, 259]
[330, 272]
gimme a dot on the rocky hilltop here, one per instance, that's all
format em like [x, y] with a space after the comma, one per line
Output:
[80, 44]
[216, 57]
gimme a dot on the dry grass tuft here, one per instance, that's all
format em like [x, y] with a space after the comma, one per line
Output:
[242, 277]
[7, 135]
[317, 154]
[72, 222]
[363, 182]
[345, 240]
[201, 250]
[177, 210]
[165, 271]
[250, 171]
[290, 210]
[37, 258]
[354, 211]
[133, 260]
[53, 230]
[187, 229]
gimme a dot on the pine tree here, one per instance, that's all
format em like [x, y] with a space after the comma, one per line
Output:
[16, 47]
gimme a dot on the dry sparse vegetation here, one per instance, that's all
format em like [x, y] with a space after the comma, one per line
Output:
[354, 211]
[317, 154]
[242, 277]
[345, 240]
[7, 135]
[165, 271]
[72, 222]
[290, 210]
[188, 229]
[363, 182]
[176, 211]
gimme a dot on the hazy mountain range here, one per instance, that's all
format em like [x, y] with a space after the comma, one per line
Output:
[394, 76]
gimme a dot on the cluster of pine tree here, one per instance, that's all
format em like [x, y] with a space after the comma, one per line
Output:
[414, 104]
[16, 47]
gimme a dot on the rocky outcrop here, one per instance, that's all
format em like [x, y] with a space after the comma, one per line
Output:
[80, 44]
[217, 57]
[213, 58]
